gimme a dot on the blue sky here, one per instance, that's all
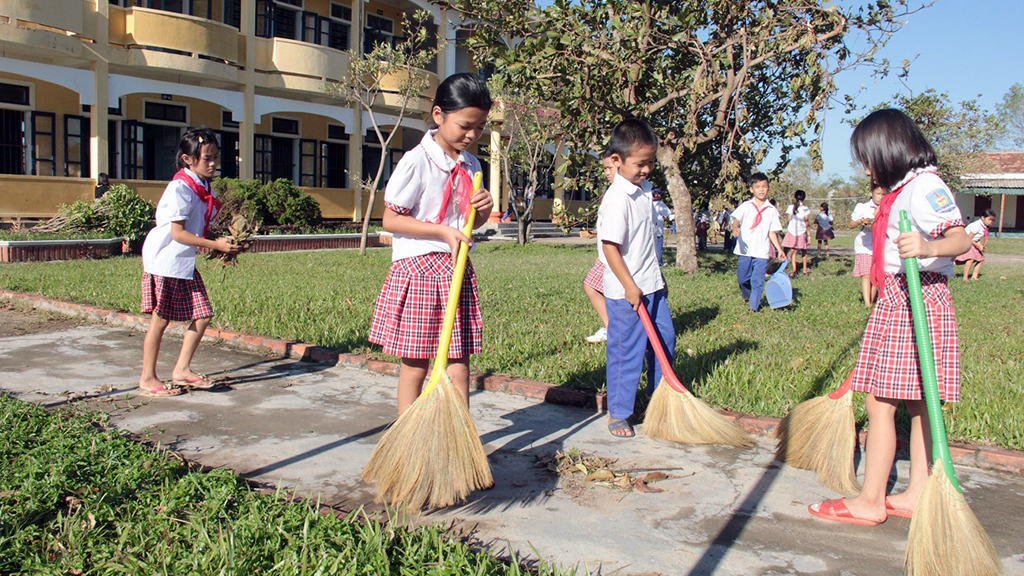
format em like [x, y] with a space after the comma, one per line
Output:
[970, 49]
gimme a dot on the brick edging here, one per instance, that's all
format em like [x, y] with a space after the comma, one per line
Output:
[986, 457]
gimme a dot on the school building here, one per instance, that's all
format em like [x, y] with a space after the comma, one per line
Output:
[108, 86]
[997, 182]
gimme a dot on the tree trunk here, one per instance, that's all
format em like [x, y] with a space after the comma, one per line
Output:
[366, 221]
[686, 246]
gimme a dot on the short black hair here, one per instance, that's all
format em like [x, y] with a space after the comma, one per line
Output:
[629, 135]
[890, 145]
[192, 141]
[988, 212]
[756, 177]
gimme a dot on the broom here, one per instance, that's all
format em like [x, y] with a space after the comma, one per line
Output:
[945, 536]
[676, 414]
[820, 435]
[432, 455]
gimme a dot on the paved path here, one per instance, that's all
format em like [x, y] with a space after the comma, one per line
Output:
[311, 427]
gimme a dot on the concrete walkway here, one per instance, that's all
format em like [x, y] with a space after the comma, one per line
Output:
[311, 427]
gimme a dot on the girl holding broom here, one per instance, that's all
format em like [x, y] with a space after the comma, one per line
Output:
[426, 203]
[172, 289]
[897, 157]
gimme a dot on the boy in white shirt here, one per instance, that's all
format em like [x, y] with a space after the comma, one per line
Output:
[755, 224]
[632, 277]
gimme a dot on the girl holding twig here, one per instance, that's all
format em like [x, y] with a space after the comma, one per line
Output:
[824, 221]
[426, 203]
[897, 157]
[172, 289]
[978, 233]
[796, 230]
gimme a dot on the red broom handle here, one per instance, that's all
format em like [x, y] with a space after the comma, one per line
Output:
[666, 366]
[843, 389]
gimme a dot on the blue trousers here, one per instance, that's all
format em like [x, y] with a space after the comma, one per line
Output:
[750, 274]
[659, 246]
[627, 348]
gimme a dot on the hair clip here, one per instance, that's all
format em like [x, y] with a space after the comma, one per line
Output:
[200, 139]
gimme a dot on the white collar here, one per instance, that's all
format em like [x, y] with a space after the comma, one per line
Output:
[628, 187]
[437, 155]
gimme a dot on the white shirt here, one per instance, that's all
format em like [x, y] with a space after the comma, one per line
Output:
[824, 220]
[932, 210]
[752, 241]
[661, 212]
[976, 230]
[162, 256]
[797, 222]
[626, 218]
[416, 188]
[864, 210]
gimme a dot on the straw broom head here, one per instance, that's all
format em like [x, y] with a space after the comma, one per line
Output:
[945, 536]
[680, 417]
[820, 435]
[431, 456]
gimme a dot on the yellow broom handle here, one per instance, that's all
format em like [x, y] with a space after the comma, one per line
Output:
[454, 292]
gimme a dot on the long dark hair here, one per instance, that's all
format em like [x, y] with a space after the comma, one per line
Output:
[191, 143]
[798, 197]
[824, 207]
[890, 144]
[460, 91]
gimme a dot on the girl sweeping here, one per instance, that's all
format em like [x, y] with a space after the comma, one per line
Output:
[426, 203]
[593, 282]
[796, 230]
[172, 289]
[897, 157]
[978, 233]
[824, 221]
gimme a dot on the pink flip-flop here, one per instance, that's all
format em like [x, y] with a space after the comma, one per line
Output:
[163, 391]
[200, 382]
[893, 511]
[836, 511]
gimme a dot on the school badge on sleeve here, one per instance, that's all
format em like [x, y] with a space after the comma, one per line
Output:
[941, 200]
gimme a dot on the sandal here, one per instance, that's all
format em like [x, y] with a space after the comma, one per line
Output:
[201, 382]
[617, 425]
[162, 392]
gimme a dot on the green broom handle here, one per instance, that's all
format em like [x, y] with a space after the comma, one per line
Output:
[940, 448]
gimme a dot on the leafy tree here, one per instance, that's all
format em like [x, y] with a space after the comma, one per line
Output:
[960, 133]
[529, 125]
[390, 75]
[1010, 114]
[721, 81]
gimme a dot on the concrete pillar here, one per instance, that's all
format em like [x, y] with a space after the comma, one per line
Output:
[494, 186]
[355, 139]
[99, 160]
[247, 123]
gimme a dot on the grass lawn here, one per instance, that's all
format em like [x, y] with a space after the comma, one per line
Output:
[76, 498]
[536, 317]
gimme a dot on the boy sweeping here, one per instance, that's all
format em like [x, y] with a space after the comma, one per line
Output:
[632, 277]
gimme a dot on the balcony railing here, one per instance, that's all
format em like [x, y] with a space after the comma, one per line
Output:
[176, 33]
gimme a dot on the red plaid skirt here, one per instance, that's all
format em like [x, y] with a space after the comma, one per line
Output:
[887, 365]
[972, 254]
[796, 241]
[595, 277]
[861, 265]
[175, 299]
[409, 313]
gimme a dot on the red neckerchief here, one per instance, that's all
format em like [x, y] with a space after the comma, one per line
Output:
[879, 228]
[213, 203]
[459, 183]
[757, 219]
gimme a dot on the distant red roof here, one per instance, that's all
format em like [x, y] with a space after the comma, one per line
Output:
[1000, 163]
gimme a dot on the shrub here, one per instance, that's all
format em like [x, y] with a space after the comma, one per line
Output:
[273, 203]
[128, 215]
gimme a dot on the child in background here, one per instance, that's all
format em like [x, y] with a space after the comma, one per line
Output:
[632, 278]
[593, 282]
[977, 231]
[897, 157]
[755, 225]
[796, 231]
[172, 289]
[661, 213]
[863, 215]
[425, 206]
[824, 233]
